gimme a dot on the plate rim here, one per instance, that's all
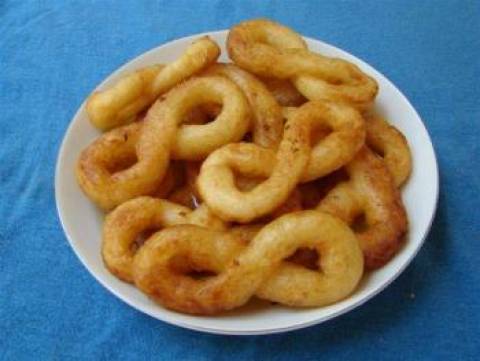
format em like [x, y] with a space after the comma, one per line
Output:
[225, 331]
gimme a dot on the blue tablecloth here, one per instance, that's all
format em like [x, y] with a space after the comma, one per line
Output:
[52, 53]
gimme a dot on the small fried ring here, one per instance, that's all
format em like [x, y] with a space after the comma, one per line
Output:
[389, 142]
[114, 168]
[267, 115]
[196, 141]
[124, 224]
[340, 146]
[216, 182]
[370, 191]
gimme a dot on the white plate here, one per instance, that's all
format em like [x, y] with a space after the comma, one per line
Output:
[82, 222]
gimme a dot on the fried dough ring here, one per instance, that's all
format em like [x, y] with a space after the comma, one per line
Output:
[117, 167]
[149, 149]
[284, 169]
[217, 186]
[271, 50]
[162, 265]
[392, 145]
[338, 147]
[261, 46]
[188, 195]
[196, 141]
[370, 191]
[267, 124]
[120, 104]
[216, 182]
[124, 224]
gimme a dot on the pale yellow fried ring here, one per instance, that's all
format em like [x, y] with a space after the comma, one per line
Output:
[331, 151]
[267, 122]
[144, 155]
[120, 104]
[188, 195]
[216, 182]
[124, 225]
[292, 204]
[392, 145]
[217, 185]
[284, 169]
[269, 49]
[284, 92]
[196, 141]
[162, 266]
[370, 192]
[103, 168]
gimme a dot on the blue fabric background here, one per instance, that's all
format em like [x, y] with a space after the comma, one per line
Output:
[51, 56]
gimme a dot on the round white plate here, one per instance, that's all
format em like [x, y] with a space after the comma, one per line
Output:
[82, 221]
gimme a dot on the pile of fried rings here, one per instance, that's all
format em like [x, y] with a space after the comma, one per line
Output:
[267, 177]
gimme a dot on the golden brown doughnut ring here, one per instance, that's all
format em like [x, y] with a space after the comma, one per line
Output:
[111, 171]
[267, 121]
[272, 50]
[335, 148]
[392, 145]
[196, 141]
[162, 265]
[261, 47]
[371, 192]
[144, 214]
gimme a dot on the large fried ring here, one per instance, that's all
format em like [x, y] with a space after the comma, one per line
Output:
[163, 264]
[269, 49]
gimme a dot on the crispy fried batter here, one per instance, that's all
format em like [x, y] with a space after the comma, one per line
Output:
[370, 191]
[272, 50]
[134, 92]
[162, 266]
